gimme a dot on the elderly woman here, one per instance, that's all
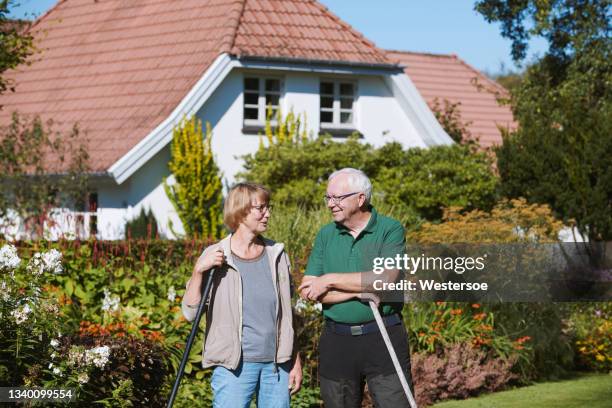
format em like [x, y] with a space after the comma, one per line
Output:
[250, 338]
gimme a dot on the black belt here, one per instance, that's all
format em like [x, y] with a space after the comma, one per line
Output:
[347, 329]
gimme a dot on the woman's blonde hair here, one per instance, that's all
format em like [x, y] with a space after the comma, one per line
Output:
[239, 201]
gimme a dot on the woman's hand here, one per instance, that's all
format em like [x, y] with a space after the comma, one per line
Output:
[295, 375]
[209, 261]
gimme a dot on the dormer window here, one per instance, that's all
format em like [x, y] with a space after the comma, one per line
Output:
[337, 104]
[259, 92]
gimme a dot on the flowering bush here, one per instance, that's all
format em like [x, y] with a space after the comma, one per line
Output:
[434, 326]
[591, 329]
[459, 370]
[29, 316]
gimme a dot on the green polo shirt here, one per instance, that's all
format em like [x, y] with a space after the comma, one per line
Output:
[336, 251]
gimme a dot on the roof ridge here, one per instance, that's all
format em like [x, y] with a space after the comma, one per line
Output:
[432, 54]
[354, 31]
[234, 22]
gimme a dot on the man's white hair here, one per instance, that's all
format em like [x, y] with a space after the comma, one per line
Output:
[357, 181]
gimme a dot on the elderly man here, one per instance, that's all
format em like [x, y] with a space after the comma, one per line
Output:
[351, 347]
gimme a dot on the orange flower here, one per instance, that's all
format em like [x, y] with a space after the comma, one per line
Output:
[440, 303]
[421, 334]
[480, 316]
[476, 306]
[456, 312]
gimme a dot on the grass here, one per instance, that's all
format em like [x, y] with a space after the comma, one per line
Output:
[586, 390]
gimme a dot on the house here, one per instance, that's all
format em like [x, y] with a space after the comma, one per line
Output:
[127, 72]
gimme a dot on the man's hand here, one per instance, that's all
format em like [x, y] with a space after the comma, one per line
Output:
[312, 288]
[295, 375]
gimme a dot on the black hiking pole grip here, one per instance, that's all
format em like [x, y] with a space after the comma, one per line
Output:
[205, 290]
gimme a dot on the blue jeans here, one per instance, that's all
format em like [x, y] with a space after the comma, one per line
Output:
[235, 388]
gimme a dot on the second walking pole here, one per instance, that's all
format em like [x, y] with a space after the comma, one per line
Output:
[205, 290]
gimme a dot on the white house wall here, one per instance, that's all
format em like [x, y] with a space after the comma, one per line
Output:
[119, 203]
[378, 117]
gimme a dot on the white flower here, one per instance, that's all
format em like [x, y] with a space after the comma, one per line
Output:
[56, 371]
[50, 261]
[76, 356]
[53, 261]
[99, 356]
[36, 266]
[53, 355]
[5, 291]
[300, 305]
[110, 302]
[50, 366]
[318, 306]
[21, 314]
[83, 378]
[171, 294]
[54, 343]
[9, 260]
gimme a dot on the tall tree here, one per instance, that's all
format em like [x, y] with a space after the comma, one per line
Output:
[560, 153]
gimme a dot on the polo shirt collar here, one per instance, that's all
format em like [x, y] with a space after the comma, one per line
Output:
[368, 228]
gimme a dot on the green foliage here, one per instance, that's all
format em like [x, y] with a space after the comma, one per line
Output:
[197, 192]
[429, 180]
[16, 44]
[143, 226]
[52, 166]
[417, 181]
[560, 153]
[565, 24]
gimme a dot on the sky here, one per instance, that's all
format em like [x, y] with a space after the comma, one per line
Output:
[434, 26]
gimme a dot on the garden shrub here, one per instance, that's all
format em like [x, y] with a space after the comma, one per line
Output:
[143, 226]
[459, 371]
[590, 327]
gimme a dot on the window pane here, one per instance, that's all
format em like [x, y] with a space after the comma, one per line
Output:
[327, 102]
[272, 100]
[346, 117]
[251, 84]
[327, 88]
[327, 117]
[251, 98]
[273, 85]
[250, 113]
[346, 103]
[346, 89]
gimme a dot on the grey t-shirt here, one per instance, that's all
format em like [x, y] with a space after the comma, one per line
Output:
[258, 309]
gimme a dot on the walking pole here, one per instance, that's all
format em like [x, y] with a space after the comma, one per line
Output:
[204, 290]
[398, 368]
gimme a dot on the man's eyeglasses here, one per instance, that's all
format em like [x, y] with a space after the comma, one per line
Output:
[262, 208]
[337, 199]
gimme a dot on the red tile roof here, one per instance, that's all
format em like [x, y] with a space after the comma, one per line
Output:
[448, 77]
[119, 68]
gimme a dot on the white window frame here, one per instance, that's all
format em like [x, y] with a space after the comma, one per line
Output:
[336, 109]
[261, 99]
